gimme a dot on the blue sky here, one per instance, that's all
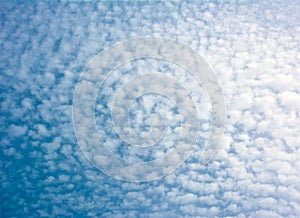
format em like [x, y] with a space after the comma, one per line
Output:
[253, 48]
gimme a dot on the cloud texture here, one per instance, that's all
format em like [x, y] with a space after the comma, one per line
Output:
[252, 46]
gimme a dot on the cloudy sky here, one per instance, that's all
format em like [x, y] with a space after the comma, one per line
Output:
[253, 48]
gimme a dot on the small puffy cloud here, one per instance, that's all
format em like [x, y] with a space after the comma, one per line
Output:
[253, 48]
[290, 100]
[17, 131]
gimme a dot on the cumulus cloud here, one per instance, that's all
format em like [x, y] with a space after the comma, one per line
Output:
[253, 48]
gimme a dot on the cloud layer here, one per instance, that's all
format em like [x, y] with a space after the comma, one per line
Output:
[253, 48]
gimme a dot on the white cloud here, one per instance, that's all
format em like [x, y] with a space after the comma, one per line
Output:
[290, 100]
[253, 48]
[17, 131]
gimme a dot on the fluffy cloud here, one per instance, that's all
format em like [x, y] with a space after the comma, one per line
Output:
[253, 48]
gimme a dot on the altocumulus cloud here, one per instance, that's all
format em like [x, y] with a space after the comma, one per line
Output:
[253, 48]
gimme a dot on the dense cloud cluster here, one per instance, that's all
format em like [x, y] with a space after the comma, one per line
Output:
[254, 49]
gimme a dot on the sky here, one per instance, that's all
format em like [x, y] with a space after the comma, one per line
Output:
[252, 48]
